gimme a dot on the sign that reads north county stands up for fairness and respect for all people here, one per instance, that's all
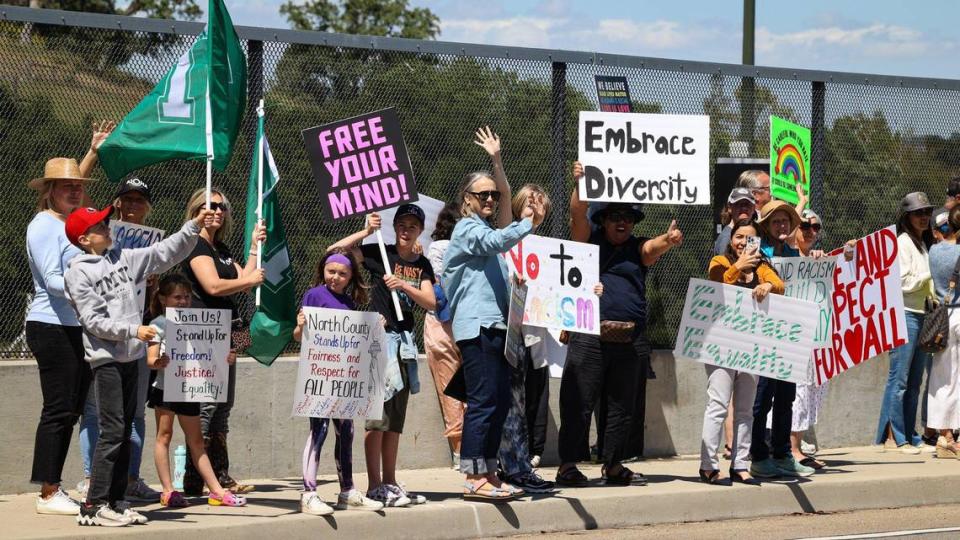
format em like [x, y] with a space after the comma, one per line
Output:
[361, 164]
[342, 360]
[806, 278]
[645, 158]
[789, 159]
[868, 314]
[197, 344]
[560, 276]
[613, 94]
[724, 326]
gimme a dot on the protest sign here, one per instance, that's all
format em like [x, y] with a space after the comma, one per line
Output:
[806, 278]
[515, 349]
[343, 355]
[360, 164]
[613, 94]
[560, 276]
[868, 315]
[129, 235]
[724, 326]
[431, 209]
[789, 159]
[645, 158]
[197, 343]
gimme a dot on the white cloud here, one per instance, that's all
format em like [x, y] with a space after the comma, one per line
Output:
[876, 40]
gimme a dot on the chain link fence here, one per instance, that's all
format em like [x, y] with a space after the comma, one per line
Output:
[875, 138]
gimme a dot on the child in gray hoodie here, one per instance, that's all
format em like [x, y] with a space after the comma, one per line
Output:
[101, 286]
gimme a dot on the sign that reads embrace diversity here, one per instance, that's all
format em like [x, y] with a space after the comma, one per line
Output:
[197, 344]
[560, 276]
[645, 158]
[613, 94]
[342, 359]
[868, 315]
[806, 278]
[789, 159]
[724, 326]
[361, 164]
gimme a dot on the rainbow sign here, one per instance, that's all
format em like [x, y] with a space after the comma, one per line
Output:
[789, 159]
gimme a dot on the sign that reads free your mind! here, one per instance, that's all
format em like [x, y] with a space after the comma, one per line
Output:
[360, 164]
[197, 344]
[342, 359]
[645, 158]
[724, 326]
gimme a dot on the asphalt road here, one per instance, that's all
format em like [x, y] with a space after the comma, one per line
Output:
[939, 522]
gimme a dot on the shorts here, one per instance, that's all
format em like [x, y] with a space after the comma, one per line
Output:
[155, 401]
[394, 409]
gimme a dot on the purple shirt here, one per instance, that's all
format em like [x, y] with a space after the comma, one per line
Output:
[321, 296]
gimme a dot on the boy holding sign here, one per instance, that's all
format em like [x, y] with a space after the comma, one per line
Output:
[101, 288]
[410, 275]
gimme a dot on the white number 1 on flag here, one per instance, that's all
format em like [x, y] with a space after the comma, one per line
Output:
[175, 106]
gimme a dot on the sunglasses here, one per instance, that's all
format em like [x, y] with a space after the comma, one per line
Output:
[807, 226]
[924, 212]
[625, 217]
[218, 206]
[484, 195]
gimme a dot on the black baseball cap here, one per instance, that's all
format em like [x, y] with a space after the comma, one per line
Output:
[410, 210]
[134, 184]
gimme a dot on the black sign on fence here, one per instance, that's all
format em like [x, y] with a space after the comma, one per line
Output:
[613, 94]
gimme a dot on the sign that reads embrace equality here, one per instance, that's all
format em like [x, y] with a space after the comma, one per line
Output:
[806, 278]
[360, 164]
[868, 314]
[724, 326]
[789, 159]
[645, 158]
[560, 276]
[342, 359]
[198, 342]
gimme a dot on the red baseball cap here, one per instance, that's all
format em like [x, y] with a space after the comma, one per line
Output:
[81, 219]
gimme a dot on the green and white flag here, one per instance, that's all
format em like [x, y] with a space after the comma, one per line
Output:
[276, 316]
[171, 122]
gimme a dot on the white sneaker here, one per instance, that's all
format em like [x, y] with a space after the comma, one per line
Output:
[808, 449]
[456, 461]
[925, 448]
[311, 503]
[354, 500]
[535, 461]
[58, 504]
[386, 496]
[136, 518]
[401, 490]
[139, 491]
[82, 487]
[101, 515]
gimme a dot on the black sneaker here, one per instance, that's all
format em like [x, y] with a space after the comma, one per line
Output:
[531, 482]
[101, 515]
[930, 441]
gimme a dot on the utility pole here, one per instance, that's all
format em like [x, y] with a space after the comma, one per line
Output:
[747, 112]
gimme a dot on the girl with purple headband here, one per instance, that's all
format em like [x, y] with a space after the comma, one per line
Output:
[336, 285]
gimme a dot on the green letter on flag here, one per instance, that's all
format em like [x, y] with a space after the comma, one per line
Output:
[276, 317]
[170, 122]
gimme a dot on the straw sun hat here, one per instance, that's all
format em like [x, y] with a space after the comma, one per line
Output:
[59, 168]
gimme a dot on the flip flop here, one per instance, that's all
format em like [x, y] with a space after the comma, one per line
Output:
[473, 491]
[812, 462]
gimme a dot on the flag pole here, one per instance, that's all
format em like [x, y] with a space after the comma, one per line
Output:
[260, 160]
[209, 133]
[388, 271]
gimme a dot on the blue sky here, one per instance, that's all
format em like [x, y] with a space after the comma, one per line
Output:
[876, 36]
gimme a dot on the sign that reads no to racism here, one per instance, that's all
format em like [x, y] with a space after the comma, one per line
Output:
[361, 164]
[645, 158]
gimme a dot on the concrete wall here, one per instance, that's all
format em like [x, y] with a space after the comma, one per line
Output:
[266, 442]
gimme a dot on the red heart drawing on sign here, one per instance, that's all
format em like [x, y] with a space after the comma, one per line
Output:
[853, 343]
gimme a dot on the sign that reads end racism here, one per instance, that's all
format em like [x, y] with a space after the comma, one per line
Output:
[645, 158]
[361, 164]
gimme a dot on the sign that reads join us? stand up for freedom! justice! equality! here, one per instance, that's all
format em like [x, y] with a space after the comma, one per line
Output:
[361, 164]
[645, 158]
[197, 344]
[343, 355]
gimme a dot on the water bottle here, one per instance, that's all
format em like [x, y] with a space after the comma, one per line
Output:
[179, 466]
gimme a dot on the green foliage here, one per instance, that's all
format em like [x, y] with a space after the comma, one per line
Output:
[389, 18]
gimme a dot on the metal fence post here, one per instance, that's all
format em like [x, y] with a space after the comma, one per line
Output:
[818, 146]
[254, 79]
[558, 136]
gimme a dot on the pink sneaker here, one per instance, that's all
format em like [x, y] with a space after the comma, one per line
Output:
[227, 499]
[174, 499]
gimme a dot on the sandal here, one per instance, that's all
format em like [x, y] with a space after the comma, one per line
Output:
[174, 499]
[571, 477]
[812, 462]
[623, 477]
[491, 493]
[712, 478]
[735, 477]
[227, 499]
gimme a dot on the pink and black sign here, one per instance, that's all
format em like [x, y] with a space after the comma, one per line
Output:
[361, 164]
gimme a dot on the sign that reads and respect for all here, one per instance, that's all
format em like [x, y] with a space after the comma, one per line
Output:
[560, 276]
[197, 344]
[645, 158]
[360, 164]
[724, 326]
[342, 359]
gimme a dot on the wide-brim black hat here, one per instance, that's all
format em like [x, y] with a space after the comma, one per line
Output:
[602, 208]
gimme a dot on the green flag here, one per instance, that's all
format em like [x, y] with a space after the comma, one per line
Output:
[276, 317]
[171, 121]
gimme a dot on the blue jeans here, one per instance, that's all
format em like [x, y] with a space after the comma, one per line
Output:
[487, 378]
[89, 431]
[777, 396]
[900, 399]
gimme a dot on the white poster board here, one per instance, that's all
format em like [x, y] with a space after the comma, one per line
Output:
[724, 326]
[343, 355]
[644, 158]
[431, 209]
[560, 277]
[197, 343]
[128, 235]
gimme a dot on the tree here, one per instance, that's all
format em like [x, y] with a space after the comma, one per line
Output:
[388, 18]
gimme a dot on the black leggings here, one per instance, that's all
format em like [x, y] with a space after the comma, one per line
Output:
[64, 380]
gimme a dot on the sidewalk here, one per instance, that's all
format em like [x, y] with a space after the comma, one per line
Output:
[856, 478]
